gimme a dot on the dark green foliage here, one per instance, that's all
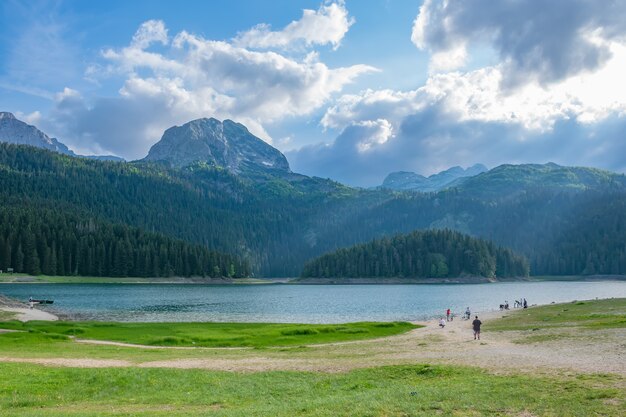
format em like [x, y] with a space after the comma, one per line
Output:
[432, 254]
[53, 242]
[566, 221]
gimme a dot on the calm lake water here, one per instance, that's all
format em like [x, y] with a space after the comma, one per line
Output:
[297, 303]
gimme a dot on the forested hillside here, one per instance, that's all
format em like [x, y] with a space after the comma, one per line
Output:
[571, 223]
[36, 240]
[423, 254]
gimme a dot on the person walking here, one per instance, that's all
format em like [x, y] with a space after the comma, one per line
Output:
[476, 326]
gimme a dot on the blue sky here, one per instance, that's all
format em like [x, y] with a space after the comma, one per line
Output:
[350, 90]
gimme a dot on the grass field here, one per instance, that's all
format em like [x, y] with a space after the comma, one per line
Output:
[212, 334]
[417, 390]
[610, 313]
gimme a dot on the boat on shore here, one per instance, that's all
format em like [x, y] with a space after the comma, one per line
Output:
[42, 301]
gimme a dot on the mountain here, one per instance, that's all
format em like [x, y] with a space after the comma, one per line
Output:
[13, 130]
[507, 179]
[225, 144]
[110, 158]
[405, 181]
[565, 220]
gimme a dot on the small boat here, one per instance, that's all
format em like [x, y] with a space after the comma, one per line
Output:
[32, 300]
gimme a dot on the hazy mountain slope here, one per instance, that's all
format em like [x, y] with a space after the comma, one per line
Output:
[410, 181]
[15, 131]
[510, 179]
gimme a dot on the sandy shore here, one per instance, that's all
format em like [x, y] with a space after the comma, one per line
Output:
[27, 314]
[23, 311]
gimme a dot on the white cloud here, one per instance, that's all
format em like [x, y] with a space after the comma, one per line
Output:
[544, 42]
[478, 95]
[150, 32]
[327, 25]
[31, 118]
[188, 77]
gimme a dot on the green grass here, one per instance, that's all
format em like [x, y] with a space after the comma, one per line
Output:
[594, 314]
[416, 390]
[213, 334]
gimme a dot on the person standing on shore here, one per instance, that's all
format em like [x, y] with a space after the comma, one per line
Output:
[448, 315]
[476, 326]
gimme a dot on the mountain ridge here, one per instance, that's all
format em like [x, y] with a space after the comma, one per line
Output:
[410, 181]
[14, 130]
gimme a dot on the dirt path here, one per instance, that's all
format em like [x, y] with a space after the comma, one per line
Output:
[454, 344]
[132, 345]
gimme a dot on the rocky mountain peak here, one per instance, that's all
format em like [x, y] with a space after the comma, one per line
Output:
[13, 130]
[226, 144]
[5, 115]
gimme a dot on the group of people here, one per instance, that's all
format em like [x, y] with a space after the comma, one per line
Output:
[521, 303]
[475, 324]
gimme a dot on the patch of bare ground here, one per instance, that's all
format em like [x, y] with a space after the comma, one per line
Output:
[72, 363]
[587, 351]
[132, 345]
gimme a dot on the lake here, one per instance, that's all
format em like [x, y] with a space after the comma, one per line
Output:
[298, 303]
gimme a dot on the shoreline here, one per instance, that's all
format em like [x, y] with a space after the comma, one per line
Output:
[23, 312]
[26, 279]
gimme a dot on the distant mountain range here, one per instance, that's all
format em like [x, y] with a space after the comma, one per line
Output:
[13, 130]
[214, 184]
[410, 181]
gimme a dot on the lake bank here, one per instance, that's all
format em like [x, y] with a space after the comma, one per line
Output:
[42, 279]
[21, 311]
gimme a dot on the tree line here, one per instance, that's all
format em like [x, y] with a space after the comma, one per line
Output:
[421, 254]
[44, 241]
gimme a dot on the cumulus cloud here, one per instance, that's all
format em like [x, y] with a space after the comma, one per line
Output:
[327, 25]
[477, 95]
[189, 77]
[432, 140]
[547, 41]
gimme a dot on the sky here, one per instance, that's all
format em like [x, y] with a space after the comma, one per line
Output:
[349, 90]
